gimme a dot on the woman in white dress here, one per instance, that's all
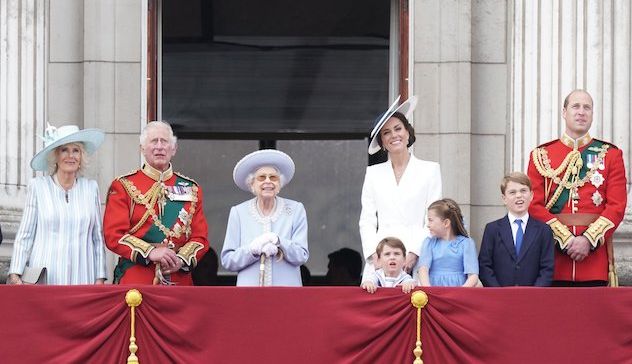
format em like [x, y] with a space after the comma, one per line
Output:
[61, 224]
[266, 236]
[397, 193]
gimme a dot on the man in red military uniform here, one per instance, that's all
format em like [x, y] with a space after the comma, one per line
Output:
[154, 218]
[579, 186]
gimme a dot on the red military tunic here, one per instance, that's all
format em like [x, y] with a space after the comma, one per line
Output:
[579, 188]
[146, 209]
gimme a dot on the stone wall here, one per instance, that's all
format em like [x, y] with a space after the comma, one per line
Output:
[460, 75]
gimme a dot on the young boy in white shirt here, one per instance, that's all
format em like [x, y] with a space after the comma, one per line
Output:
[391, 256]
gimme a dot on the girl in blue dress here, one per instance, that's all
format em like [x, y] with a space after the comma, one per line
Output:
[448, 256]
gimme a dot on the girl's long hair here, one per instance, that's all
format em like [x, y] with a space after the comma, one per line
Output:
[447, 208]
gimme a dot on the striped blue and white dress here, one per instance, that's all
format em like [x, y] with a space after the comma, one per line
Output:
[65, 236]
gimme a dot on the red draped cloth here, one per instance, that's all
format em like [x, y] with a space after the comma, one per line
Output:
[45, 324]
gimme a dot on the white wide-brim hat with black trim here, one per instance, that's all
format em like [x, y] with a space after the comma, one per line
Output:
[55, 137]
[406, 108]
[262, 158]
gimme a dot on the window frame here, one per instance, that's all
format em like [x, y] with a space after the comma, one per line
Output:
[399, 75]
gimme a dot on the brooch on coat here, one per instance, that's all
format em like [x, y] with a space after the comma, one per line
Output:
[597, 199]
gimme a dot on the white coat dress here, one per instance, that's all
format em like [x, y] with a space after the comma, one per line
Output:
[398, 210]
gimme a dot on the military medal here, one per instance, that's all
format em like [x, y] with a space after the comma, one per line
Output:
[596, 198]
[590, 160]
[180, 193]
[597, 179]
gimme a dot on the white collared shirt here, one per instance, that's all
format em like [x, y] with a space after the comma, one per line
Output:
[514, 226]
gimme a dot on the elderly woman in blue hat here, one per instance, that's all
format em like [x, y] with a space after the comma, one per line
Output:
[266, 236]
[61, 224]
[397, 193]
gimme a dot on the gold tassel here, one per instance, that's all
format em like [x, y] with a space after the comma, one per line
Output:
[613, 280]
[419, 299]
[133, 298]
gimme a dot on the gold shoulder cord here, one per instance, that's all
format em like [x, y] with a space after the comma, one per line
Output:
[149, 200]
[572, 162]
[571, 165]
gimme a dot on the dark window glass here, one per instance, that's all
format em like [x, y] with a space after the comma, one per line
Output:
[274, 69]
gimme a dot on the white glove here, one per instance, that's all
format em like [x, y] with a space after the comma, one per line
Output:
[257, 243]
[271, 237]
[270, 249]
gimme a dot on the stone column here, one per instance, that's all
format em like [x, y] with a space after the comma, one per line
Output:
[112, 76]
[22, 71]
[22, 106]
[442, 73]
[558, 46]
[460, 75]
[112, 79]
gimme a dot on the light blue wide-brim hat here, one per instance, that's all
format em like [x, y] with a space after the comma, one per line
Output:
[406, 108]
[261, 158]
[55, 137]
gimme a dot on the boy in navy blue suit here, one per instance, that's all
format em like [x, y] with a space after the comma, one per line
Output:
[516, 250]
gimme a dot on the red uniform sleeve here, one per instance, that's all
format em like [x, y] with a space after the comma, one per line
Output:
[616, 194]
[116, 220]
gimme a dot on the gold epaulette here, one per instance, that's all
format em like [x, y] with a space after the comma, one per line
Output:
[597, 230]
[134, 171]
[547, 143]
[561, 234]
[186, 177]
[610, 145]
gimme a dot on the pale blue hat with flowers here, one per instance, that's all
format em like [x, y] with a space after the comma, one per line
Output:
[54, 137]
[261, 158]
[406, 108]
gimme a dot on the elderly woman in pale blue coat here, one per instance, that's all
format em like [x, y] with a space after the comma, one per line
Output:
[266, 236]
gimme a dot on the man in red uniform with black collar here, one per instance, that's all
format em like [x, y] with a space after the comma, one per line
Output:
[154, 217]
[579, 186]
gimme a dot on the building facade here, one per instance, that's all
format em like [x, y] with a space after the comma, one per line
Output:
[490, 77]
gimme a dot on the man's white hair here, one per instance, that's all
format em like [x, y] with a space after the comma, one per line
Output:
[157, 124]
